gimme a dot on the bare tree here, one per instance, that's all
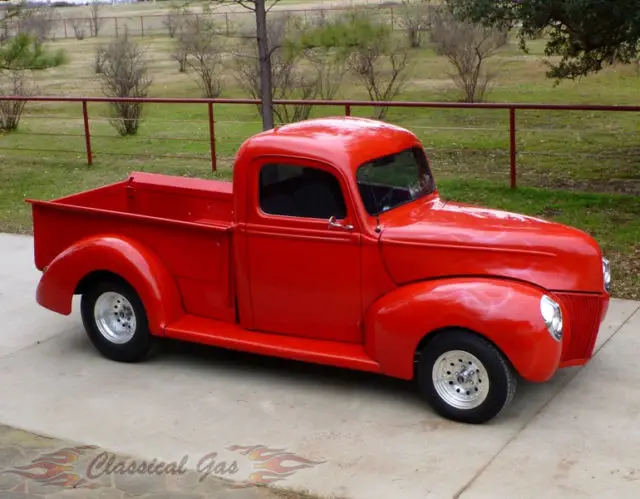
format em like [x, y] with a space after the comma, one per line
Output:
[467, 47]
[125, 74]
[414, 19]
[38, 22]
[379, 62]
[99, 59]
[175, 19]
[203, 49]
[366, 47]
[180, 52]
[171, 22]
[261, 10]
[14, 83]
[288, 78]
[330, 69]
[383, 73]
[96, 20]
[181, 34]
[287, 83]
[79, 27]
[5, 26]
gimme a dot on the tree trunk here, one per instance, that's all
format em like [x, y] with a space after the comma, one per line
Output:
[266, 94]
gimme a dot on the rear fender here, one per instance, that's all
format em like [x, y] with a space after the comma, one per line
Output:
[505, 312]
[126, 258]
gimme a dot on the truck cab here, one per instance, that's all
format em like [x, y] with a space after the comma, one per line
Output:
[330, 245]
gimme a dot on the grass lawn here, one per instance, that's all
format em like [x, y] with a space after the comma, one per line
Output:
[578, 168]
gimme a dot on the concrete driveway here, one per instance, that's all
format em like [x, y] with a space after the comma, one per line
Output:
[330, 431]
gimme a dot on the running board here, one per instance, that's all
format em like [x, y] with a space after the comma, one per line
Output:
[227, 335]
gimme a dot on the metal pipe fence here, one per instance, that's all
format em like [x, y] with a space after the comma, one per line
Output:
[207, 126]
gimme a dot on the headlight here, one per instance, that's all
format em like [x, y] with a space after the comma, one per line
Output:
[552, 316]
[606, 273]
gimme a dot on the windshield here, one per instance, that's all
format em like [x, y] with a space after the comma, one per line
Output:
[394, 180]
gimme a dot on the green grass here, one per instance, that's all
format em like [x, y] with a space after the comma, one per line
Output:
[577, 168]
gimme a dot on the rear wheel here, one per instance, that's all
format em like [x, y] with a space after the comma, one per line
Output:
[465, 378]
[116, 321]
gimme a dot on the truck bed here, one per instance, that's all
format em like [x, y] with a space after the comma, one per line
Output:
[161, 196]
[186, 222]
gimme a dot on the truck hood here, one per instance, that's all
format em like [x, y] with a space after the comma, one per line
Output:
[433, 238]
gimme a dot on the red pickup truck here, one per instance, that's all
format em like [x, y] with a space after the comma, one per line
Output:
[331, 245]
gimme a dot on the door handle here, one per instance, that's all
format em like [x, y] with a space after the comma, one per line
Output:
[334, 223]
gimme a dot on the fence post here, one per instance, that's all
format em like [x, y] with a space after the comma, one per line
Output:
[116, 20]
[142, 25]
[87, 133]
[212, 138]
[65, 27]
[392, 23]
[347, 110]
[226, 20]
[512, 145]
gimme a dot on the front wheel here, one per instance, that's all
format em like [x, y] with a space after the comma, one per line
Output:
[465, 378]
[116, 322]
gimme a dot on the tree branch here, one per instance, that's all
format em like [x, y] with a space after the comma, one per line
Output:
[275, 2]
[273, 49]
[247, 4]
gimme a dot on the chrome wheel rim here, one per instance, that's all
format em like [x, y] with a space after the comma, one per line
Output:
[460, 379]
[115, 317]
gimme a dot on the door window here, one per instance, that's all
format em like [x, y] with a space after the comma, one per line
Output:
[298, 191]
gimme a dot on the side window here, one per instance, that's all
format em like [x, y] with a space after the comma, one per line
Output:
[298, 191]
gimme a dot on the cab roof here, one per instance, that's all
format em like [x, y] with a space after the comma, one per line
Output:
[345, 142]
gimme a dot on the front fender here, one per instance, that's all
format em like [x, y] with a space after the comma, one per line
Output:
[127, 258]
[505, 312]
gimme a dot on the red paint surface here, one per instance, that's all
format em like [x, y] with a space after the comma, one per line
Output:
[504, 311]
[211, 267]
[434, 238]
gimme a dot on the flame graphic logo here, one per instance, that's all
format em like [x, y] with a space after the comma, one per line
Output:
[56, 468]
[272, 465]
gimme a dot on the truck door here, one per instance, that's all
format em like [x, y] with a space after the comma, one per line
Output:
[304, 272]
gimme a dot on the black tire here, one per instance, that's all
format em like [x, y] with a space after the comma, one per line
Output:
[130, 349]
[501, 378]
